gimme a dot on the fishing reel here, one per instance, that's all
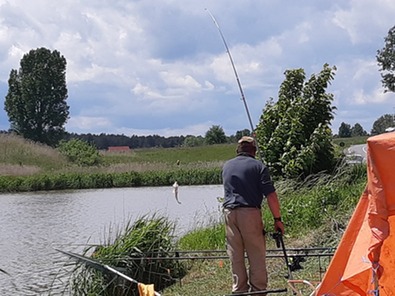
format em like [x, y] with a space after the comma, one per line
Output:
[277, 238]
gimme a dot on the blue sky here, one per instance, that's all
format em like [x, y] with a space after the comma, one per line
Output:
[160, 67]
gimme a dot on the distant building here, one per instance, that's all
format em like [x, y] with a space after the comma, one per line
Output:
[118, 149]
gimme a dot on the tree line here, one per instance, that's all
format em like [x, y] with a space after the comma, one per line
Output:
[384, 123]
[293, 133]
[214, 135]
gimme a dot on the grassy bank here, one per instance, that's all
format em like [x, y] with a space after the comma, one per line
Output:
[315, 212]
[27, 166]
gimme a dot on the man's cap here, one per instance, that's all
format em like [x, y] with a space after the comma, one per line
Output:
[247, 139]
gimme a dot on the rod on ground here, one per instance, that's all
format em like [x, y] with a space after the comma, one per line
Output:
[101, 267]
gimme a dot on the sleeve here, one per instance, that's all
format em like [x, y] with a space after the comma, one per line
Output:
[267, 185]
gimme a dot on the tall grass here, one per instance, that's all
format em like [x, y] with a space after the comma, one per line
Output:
[133, 251]
[21, 157]
[62, 181]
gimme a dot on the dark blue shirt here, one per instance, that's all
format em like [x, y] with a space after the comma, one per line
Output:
[246, 181]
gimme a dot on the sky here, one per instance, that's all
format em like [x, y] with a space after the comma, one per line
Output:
[159, 67]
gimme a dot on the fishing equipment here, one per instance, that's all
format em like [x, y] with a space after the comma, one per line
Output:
[238, 81]
[106, 268]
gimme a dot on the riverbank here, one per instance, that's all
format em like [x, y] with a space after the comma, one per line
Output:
[27, 166]
[315, 212]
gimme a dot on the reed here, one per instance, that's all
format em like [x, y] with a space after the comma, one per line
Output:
[132, 251]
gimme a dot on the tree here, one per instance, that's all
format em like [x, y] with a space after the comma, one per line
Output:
[386, 61]
[294, 133]
[240, 134]
[381, 124]
[193, 141]
[36, 98]
[357, 130]
[344, 130]
[215, 135]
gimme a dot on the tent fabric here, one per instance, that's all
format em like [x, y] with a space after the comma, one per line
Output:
[370, 234]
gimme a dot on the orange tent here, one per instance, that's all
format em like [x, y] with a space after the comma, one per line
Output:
[370, 235]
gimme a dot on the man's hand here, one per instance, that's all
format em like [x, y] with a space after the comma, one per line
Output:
[278, 225]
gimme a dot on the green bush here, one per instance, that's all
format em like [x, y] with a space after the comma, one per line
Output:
[80, 152]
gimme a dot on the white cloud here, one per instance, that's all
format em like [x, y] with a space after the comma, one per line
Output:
[149, 66]
[363, 19]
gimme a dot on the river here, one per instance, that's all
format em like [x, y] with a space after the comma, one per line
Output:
[34, 224]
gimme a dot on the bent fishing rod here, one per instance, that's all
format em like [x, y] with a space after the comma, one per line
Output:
[238, 82]
[245, 106]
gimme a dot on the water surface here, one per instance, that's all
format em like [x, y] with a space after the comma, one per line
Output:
[34, 224]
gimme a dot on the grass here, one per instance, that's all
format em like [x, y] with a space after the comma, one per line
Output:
[19, 157]
[350, 141]
[316, 212]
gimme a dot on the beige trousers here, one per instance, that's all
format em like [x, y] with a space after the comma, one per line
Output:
[244, 232]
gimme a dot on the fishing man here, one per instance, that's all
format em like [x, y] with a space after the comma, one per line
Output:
[246, 182]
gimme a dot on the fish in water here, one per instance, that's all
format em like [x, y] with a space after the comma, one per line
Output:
[175, 191]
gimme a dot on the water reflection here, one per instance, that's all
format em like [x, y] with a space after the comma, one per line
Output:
[33, 224]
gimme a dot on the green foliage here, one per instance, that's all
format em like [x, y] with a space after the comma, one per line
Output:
[211, 237]
[357, 131]
[320, 199]
[192, 141]
[36, 98]
[344, 130]
[129, 252]
[215, 135]
[240, 134]
[386, 61]
[382, 123]
[80, 152]
[63, 181]
[294, 134]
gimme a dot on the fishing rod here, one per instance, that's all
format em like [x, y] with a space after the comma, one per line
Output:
[206, 257]
[269, 250]
[101, 267]
[238, 82]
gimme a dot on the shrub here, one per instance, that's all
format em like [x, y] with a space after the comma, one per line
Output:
[80, 152]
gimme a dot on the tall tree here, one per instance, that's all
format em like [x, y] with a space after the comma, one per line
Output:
[382, 123]
[344, 130]
[357, 130]
[36, 98]
[386, 60]
[215, 135]
[294, 133]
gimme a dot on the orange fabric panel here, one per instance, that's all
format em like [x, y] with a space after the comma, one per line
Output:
[370, 233]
